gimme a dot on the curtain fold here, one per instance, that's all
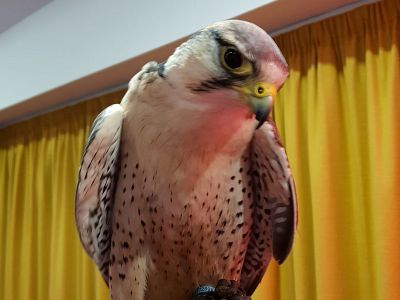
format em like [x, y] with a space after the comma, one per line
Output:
[40, 252]
[338, 116]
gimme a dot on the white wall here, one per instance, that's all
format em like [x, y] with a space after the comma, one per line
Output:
[69, 39]
[70, 50]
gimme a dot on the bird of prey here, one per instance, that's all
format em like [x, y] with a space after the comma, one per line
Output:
[186, 182]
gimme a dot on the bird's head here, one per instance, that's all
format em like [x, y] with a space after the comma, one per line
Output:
[235, 59]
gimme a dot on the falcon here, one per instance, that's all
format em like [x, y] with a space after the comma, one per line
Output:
[184, 189]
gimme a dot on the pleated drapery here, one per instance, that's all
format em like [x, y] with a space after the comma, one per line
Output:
[40, 253]
[338, 115]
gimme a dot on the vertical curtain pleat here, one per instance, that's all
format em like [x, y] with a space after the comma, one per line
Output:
[40, 252]
[338, 115]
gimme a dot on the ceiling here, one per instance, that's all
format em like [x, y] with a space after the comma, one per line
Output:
[69, 50]
[13, 11]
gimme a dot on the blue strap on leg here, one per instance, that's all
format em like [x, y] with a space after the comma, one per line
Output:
[202, 290]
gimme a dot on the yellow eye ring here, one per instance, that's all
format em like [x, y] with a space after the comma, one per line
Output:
[233, 61]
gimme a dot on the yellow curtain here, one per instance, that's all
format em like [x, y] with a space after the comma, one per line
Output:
[337, 115]
[40, 253]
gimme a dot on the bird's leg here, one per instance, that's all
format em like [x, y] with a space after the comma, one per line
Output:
[229, 290]
[225, 290]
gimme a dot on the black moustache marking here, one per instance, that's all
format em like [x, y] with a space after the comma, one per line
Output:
[216, 83]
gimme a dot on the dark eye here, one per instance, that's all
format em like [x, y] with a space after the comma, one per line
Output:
[233, 58]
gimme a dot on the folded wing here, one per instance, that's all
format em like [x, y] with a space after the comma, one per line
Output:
[274, 206]
[95, 191]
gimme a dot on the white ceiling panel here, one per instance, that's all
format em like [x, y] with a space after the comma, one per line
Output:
[70, 49]
[13, 11]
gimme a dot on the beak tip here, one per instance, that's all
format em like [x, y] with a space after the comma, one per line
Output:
[261, 117]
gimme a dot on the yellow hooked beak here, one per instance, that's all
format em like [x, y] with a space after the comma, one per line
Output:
[259, 97]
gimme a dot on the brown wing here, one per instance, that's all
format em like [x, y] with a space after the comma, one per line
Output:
[274, 206]
[96, 182]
